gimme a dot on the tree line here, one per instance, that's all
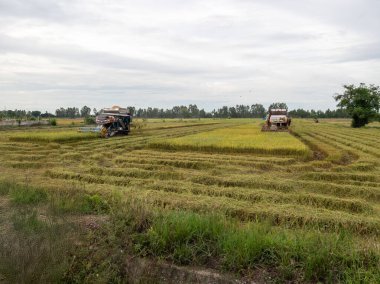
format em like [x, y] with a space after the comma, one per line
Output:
[190, 111]
[361, 103]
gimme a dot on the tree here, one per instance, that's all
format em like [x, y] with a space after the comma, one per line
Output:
[257, 110]
[362, 103]
[131, 110]
[278, 105]
[36, 113]
[193, 110]
[85, 111]
[184, 111]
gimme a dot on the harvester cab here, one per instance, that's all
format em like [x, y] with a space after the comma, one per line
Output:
[277, 120]
[112, 121]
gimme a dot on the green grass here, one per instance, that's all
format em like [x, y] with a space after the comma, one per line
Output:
[27, 195]
[27, 221]
[83, 203]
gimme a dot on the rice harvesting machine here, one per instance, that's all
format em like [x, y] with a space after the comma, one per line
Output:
[277, 120]
[111, 121]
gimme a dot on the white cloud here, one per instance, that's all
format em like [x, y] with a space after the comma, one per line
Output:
[164, 52]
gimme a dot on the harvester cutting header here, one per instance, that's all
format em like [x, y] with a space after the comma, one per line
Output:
[111, 121]
[277, 120]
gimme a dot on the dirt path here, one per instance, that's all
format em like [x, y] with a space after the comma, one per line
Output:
[142, 270]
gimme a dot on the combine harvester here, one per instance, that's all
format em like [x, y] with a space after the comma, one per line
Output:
[110, 122]
[277, 120]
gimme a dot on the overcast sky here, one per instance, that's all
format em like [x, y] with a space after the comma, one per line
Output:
[164, 52]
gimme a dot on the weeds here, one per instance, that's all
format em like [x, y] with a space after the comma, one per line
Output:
[27, 195]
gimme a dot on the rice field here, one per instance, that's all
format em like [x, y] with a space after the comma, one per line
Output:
[52, 136]
[246, 138]
[292, 207]
[69, 121]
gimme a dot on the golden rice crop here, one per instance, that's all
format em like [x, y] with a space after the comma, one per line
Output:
[246, 138]
[69, 121]
[52, 136]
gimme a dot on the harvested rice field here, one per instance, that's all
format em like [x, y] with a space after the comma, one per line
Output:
[298, 207]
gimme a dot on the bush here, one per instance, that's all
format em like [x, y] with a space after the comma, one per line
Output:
[53, 122]
[89, 120]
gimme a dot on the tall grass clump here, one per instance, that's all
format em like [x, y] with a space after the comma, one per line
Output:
[6, 186]
[23, 195]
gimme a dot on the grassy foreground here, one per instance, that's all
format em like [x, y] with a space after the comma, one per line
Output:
[180, 236]
[76, 211]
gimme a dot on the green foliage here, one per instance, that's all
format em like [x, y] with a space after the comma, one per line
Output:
[53, 122]
[89, 120]
[362, 103]
[85, 111]
[278, 105]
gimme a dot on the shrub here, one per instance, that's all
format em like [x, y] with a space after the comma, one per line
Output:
[89, 120]
[53, 122]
